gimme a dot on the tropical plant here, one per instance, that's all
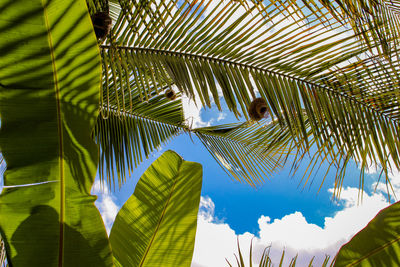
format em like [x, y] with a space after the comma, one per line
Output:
[157, 225]
[329, 84]
[47, 214]
[2, 253]
[266, 260]
[327, 71]
[375, 245]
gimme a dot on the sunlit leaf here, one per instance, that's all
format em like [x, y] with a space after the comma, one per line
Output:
[49, 99]
[378, 244]
[157, 225]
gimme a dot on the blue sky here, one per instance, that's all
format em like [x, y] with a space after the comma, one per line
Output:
[240, 204]
[299, 220]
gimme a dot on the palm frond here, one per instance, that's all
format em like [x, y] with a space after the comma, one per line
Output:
[198, 46]
[3, 258]
[266, 260]
[127, 137]
[127, 76]
[114, 10]
[293, 60]
[239, 151]
[377, 22]
[252, 151]
[95, 6]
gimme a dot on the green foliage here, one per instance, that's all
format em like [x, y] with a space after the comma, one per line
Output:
[378, 244]
[327, 69]
[266, 260]
[47, 215]
[241, 149]
[375, 22]
[330, 91]
[157, 225]
[129, 136]
[2, 253]
[50, 75]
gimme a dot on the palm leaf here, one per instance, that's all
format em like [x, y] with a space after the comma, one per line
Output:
[50, 79]
[349, 95]
[191, 46]
[3, 256]
[157, 225]
[127, 138]
[252, 151]
[95, 6]
[127, 76]
[237, 149]
[266, 260]
[377, 22]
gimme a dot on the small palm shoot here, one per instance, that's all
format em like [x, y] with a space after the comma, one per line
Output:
[266, 260]
[2, 253]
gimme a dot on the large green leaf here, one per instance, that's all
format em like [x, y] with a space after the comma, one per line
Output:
[378, 244]
[157, 225]
[50, 79]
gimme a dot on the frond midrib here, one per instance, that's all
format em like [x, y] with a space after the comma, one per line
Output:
[133, 114]
[257, 68]
[227, 138]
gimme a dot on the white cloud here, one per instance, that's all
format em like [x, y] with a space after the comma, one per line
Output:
[216, 240]
[221, 116]
[105, 203]
[192, 112]
[206, 209]
[213, 240]
[389, 188]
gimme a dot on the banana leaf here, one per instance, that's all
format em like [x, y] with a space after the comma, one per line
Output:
[378, 244]
[157, 225]
[49, 100]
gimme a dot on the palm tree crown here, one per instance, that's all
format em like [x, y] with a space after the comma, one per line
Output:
[326, 71]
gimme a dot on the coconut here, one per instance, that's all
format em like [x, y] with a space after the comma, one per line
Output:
[170, 94]
[102, 24]
[258, 109]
